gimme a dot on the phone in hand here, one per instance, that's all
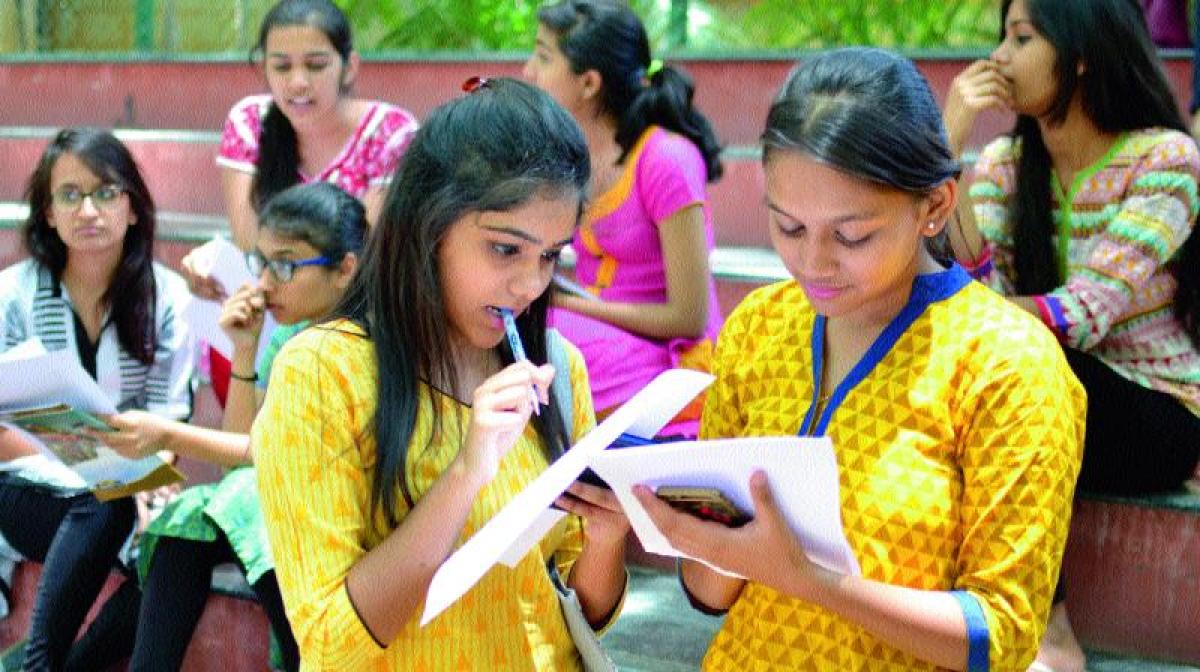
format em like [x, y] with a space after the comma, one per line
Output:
[706, 503]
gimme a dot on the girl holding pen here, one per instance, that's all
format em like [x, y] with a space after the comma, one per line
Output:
[955, 419]
[392, 433]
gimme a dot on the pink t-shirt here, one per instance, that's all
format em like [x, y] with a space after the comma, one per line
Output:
[619, 259]
[368, 159]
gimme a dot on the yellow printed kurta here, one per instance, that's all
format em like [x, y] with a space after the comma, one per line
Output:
[315, 455]
[957, 458]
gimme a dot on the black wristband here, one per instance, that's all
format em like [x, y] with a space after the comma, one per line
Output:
[252, 378]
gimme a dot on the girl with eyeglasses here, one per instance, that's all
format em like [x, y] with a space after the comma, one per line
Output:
[1085, 216]
[90, 287]
[309, 128]
[396, 430]
[646, 236]
[309, 240]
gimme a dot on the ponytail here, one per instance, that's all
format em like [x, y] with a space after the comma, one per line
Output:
[666, 101]
[278, 158]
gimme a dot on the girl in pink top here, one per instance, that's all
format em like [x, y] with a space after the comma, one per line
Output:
[642, 252]
[308, 128]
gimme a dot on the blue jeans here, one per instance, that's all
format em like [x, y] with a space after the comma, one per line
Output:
[76, 539]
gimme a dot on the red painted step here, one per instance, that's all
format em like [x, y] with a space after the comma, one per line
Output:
[1133, 576]
[733, 92]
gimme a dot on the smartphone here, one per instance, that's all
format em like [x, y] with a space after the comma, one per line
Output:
[623, 441]
[707, 503]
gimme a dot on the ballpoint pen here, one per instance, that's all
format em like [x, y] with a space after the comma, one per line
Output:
[518, 351]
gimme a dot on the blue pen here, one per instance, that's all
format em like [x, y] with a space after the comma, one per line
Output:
[518, 351]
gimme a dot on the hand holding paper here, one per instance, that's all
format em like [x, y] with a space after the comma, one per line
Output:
[802, 473]
[220, 260]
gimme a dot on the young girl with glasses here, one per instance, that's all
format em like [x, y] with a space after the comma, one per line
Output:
[90, 287]
[394, 432]
[644, 244]
[208, 525]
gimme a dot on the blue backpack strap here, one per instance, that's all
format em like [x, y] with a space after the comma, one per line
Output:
[564, 396]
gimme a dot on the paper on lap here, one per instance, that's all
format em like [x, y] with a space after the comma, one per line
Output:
[47, 379]
[55, 406]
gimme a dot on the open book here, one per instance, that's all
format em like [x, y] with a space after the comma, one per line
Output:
[56, 406]
[802, 471]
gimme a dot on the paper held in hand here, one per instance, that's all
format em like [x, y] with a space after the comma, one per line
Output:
[224, 262]
[55, 406]
[803, 475]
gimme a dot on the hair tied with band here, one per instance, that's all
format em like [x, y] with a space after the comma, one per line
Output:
[650, 71]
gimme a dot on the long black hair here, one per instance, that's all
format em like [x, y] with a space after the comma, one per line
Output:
[868, 113]
[320, 214]
[606, 36]
[1122, 88]
[133, 283]
[492, 150]
[278, 149]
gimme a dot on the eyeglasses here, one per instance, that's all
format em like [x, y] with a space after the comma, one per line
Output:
[104, 196]
[282, 269]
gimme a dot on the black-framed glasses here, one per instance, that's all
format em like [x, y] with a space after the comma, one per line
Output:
[282, 269]
[104, 196]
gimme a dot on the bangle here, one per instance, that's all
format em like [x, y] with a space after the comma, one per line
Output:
[252, 378]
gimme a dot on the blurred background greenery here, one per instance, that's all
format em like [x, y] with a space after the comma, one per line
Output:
[194, 27]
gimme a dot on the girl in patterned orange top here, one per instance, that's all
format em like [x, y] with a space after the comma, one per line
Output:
[955, 420]
[390, 435]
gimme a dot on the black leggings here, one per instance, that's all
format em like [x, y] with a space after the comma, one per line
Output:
[77, 540]
[156, 629]
[177, 587]
[1138, 441]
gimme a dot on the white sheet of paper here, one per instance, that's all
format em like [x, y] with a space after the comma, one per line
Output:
[507, 535]
[220, 259]
[48, 379]
[546, 520]
[802, 471]
[24, 350]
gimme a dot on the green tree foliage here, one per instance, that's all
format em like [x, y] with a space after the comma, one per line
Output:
[814, 24]
[712, 26]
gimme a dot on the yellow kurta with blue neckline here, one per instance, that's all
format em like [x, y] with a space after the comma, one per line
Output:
[315, 458]
[957, 456]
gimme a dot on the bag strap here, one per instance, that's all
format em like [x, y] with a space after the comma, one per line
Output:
[564, 396]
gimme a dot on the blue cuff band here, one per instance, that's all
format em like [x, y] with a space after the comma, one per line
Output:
[977, 631]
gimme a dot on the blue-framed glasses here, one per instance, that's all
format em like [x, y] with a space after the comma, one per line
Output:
[282, 269]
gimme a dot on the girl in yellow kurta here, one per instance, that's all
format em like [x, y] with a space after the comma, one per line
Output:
[956, 421]
[390, 435]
